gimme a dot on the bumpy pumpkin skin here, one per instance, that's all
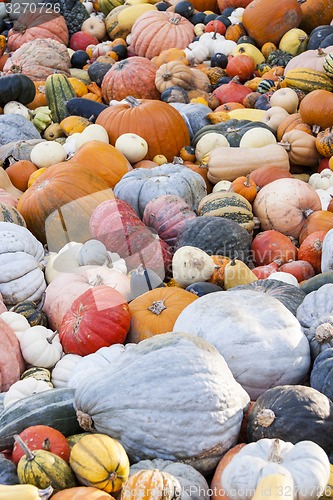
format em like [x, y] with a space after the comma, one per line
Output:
[31, 25]
[134, 76]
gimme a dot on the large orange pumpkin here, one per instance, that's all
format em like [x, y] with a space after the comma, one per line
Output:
[59, 185]
[133, 76]
[159, 124]
[82, 493]
[268, 21]
[156, 311]
[316, 13]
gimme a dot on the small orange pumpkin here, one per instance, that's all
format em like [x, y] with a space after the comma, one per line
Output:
[82, 493]
[40, 97]
[245, 186]
[19, 173]
[220, 261]
[74, 124]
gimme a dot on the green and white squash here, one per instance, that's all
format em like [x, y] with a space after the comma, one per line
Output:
[190, 414]
[249, 332]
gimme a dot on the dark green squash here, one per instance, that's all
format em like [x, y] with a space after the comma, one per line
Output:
[42, 469]
[97, 70]
[53, 408]
[18, 88]
[32, 311]
[216, 236]
[317, 281]
[318, 36]
[73, 11]
[85, 108]
[8, 473]
[290, 296]
[58, 90]
[175, 94]
[321, 377]
[202, 288]
[292, 413]
[279, 58]
[75, 438]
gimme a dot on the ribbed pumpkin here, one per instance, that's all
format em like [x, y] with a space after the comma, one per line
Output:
[324, 142]
[320, 220]
[156, 31]
[268, 21]
[316, 109]
[174, 73]
[316, 13]
[134, 76]
[42, 469]
[156, 311]
[57, 186]
[159, 124]
[311, 249]
[291, 122]
[82, 493]
[98, 318]
[100, 461]
[43, 23]
[151, 484]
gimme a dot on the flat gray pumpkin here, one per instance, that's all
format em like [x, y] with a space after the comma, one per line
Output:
[16, 128]
[171, 396]
[261, 340]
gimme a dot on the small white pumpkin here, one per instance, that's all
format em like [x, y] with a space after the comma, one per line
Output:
[47, 153]
[16, 108]
[274, 116]
[327, 252]
[285, 277]
[191, 264]
[40, 346]
[257, 137]
[285, 98]
[325, 197]
[93, 132]
[322, 180]
[222, 186]
[93, 253]
[196, 53]
[208, 142]
[132, 146]
[63, 369]
[23, 389]
[16, 321]
[66, 260]
[94, 25]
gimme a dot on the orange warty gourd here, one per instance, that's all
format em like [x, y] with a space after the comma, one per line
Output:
[157, 122]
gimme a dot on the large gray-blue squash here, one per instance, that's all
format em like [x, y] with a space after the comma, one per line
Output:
[260, 339]
[15, 128]
[141, 185]
[195, 115]
[170, 396]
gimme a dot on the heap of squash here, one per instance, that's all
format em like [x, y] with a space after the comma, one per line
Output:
[166, 250]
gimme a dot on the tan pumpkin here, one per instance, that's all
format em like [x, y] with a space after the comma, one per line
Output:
[301, 148]
[285, 204]
[156, 31]
[174, 73]
[134, 76]
[42, 23]
[316, 109]
[201, 81]
[8, 198]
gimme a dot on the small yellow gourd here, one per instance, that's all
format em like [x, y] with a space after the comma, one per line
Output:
[275, 487]
[24, 492]
[236, 272]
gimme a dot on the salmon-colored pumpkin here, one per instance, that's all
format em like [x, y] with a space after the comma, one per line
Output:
[82, 493]
[293, 121]
[301, 269]
[11, 361]
[157, 122]
[156, 311]
[264, 175]
[268, 21]
[272, 246]
[19, 173]
[262, 272]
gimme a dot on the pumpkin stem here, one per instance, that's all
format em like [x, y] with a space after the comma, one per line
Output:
[275, 455]
[96, 280]
[157, 307]
[265, 417]
[51, 337]
[132, 101]
[46, 444]
[247, 182]
[45, 494]
[285, 145]
[321, 52]
[28, 453]
[176, 20]
[41, 302]
[85, 421]
[167, 76]
[307, 212]
[315, 129]
[324, 333]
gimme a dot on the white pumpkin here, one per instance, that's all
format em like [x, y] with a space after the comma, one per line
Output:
[191, 264]
[286, 98]
[285, 277]
[94, 25]
[16, 321]
[132, 146]
[93, 132]
[208, 142]
[249, 330]
[23, 389]
[47, 153]
[93, 253]
[66, 260]
[40, 346]
[63, 369]
[222, 186]
[322, 180]
[257, 137]
[16, 108]
[327, 252]
[306, 461]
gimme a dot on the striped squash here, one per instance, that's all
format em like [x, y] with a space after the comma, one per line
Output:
[11, 214]
[230, 205]
[308, 80]
[324, 142]
[58, 90]
[328, 65]
[106, 6]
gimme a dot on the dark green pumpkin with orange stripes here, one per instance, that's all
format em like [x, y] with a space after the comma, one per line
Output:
[58, 91]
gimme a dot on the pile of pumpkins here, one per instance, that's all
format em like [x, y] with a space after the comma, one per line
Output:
[166, 250]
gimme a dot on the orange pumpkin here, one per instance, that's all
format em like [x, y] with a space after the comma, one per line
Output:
[324, 142]
[293, 121]
[201, 170]
[320, 220]
[268, 21]
[157, 122]
[168, 55]
[316, 13]
[272, 246]
[82, 493]
[19, 173]
[301, 269]
[264, 175]
[40, 96]
[156, 311]
[316, 109]
[220, 261]
[216, 484]
[245, 186]
[224, 4]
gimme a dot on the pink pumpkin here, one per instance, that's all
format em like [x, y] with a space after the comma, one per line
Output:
[98, 318]
[11, 360]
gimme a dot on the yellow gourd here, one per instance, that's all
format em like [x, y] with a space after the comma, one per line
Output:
[24, 492]
[328, 493]
[236, 272]
[275, 487]
[254, 115]
[249, 50]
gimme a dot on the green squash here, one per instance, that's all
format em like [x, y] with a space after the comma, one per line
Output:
[8, 473]
[18, 88]
[32, 311]
[58, 90]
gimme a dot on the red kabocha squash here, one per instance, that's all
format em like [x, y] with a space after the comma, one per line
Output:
[19, 173]
[11, 361]
[155, 31]
[311, 249]
[242, 66]
[98, 318]
[272, 246]
[156, 311]
[301, 269]
[232, 91]
[134, 76]
[162, 126]
[268, 21]
[321, 220]
[264, 175]
[39, 24]
[262, 272]
[316, 109]
[167, 215]
[285, 205]
[42, 437]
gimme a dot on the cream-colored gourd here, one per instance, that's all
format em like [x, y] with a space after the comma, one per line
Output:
[93, 132]
[257, 137]
[24, 492]
[285, 277]
[236, 272]
[47, 153]
[191, 264]
[286, 98]
[24, 388]
[274, 116]
[41, 346]
[208, 142]
[222, 186]
[16, 321]
[132, 146]
[16, 108]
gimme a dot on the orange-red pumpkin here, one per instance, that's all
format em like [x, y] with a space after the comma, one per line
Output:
[272, 246]
[311, 249]
[320, 220]
[301, 269]
[316, 109]
[19, 173]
